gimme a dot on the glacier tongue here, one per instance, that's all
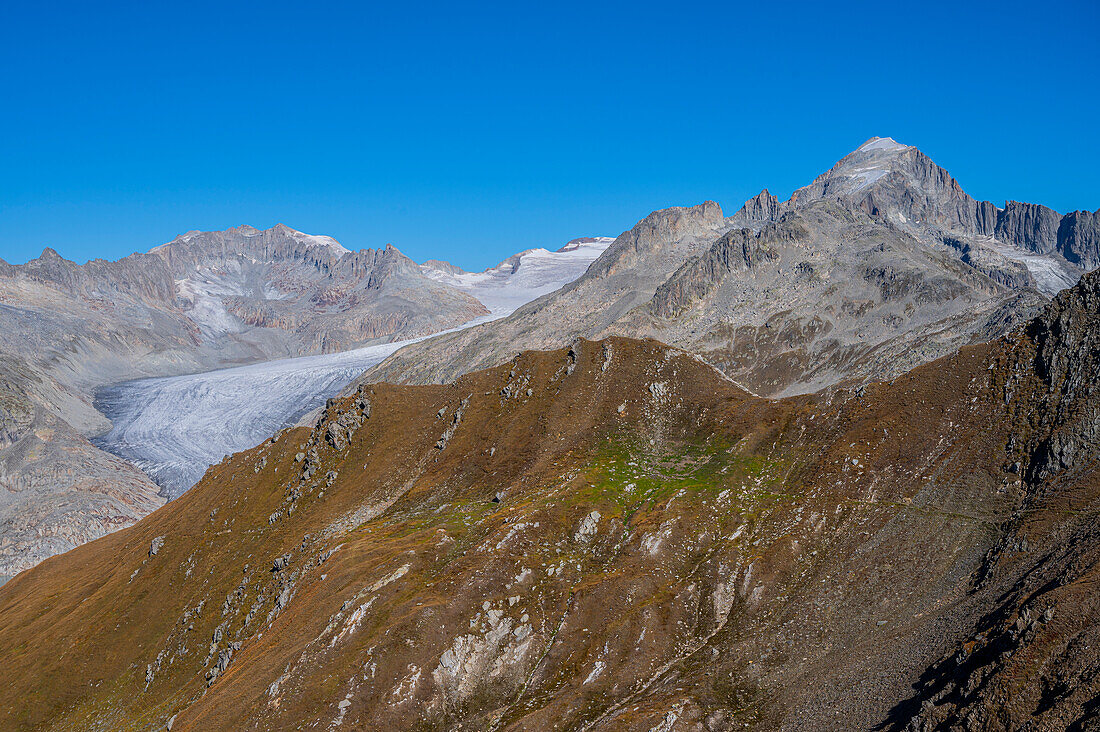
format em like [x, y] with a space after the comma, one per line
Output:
[174, 428]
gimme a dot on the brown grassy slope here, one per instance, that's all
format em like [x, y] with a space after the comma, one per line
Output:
[793, 563]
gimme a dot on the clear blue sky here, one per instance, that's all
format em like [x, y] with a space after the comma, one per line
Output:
[470, 131]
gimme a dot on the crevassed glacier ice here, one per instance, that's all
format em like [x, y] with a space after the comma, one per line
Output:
[174, 428]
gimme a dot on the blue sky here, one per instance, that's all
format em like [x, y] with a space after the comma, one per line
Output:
[468, 132]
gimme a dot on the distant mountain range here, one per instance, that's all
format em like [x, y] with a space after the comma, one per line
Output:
[880, 264]
[205, 300]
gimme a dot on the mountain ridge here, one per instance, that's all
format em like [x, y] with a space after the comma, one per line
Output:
[897, 266]
[874, 168]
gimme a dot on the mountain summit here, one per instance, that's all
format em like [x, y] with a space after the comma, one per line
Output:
[883, 262]
[901, 184]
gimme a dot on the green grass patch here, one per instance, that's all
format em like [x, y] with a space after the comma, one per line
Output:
[633, 475]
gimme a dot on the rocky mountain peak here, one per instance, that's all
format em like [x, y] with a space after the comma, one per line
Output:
[390, 263]
[861, 169]
[761, 207]
[667, 232]
[395, 256]
[899, 183]
[443, 266]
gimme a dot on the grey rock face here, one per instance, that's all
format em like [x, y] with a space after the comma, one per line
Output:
[761, 207]
[736, 250]
[1029, 226]
[903, 185]
[57, 490]
[666, 234]
[1067, 358]
[883, 177]
[1079, 238]
[1004, 271]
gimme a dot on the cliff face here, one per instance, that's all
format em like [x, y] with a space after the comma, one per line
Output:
[735, 251]
[1029, 226]
[1079, 238]
[608, 536]
[1066, 340]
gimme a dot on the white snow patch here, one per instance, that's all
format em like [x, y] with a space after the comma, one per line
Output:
[313, 240]
[881, 143]
[865, 177]
[1052, 274]
[596, 671]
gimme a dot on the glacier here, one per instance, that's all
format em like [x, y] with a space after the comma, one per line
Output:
[175, 427]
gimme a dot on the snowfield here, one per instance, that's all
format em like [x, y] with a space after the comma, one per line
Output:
[175, 427]
[525, 277]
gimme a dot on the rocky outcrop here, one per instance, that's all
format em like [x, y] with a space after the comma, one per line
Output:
[1066, 340]
[737, 250]
[994, 265]
[1029, 226]
[760, 208]
[664, 233]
